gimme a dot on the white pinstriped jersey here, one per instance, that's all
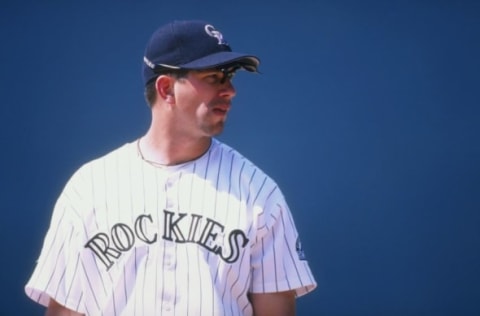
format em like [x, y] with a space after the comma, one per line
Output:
[128, 238]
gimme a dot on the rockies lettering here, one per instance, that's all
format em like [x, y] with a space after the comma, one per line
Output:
[179, 228]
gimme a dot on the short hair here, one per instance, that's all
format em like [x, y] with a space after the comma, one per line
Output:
[150, 88]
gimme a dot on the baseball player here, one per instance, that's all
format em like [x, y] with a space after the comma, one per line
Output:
[175, 222]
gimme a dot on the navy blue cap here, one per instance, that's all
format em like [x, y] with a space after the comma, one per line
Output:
[190, 45]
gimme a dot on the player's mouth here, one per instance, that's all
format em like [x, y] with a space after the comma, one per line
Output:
[221, 108]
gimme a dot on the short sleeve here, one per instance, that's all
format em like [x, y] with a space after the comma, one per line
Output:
[278, 261]
[58, 270]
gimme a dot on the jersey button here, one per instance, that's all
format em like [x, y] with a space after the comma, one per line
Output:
[170, 264]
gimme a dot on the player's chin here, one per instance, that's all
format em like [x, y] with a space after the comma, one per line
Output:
[216, 129]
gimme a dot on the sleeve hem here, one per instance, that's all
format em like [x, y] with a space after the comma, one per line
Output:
[300, 289]
[43, 297]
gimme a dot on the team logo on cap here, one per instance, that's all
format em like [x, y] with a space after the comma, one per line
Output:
[211, 31]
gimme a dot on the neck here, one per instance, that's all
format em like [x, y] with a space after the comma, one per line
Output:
[159, 149]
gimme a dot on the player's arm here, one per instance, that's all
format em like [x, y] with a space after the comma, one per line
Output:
[55, 309]
[273, 304]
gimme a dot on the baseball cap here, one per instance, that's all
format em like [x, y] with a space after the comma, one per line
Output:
[191, 45]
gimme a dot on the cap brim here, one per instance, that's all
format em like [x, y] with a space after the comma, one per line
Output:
[248, 62]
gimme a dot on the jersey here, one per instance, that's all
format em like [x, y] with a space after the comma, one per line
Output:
[130, 238]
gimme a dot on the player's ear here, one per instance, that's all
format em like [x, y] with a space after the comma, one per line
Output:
[164, 86]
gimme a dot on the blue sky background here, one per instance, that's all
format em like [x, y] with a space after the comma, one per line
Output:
[366, 113]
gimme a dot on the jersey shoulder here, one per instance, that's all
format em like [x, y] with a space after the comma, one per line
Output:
[117, 157]
[104, 167]
[238, 165]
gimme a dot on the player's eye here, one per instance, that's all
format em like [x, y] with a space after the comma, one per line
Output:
[221, 75]
[227, 74]
[215, 78]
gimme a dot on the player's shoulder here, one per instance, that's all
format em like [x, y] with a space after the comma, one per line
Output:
[115, 158]
[228, 152]
[127, 151]
[237, 159]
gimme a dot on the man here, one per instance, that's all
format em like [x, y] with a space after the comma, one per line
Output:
[176, 222]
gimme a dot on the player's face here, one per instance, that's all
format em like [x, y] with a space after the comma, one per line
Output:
[203, 101]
